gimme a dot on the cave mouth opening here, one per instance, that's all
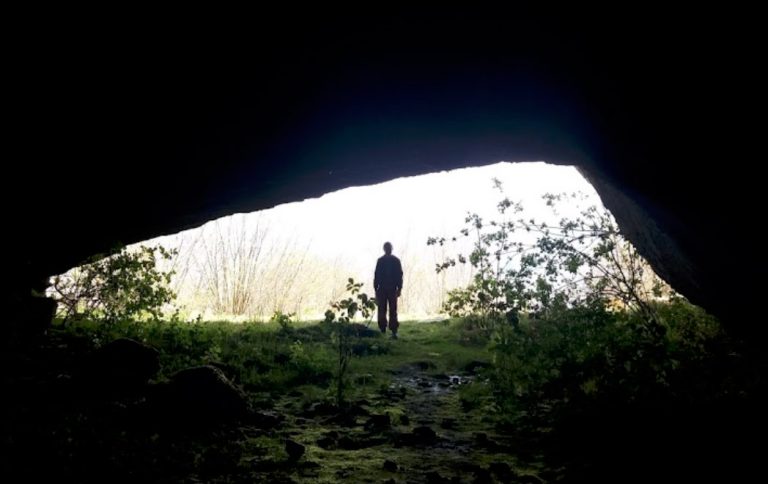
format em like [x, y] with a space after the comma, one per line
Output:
[297, 257]
[311, 397]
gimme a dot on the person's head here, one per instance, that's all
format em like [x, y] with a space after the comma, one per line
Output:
[387, 248]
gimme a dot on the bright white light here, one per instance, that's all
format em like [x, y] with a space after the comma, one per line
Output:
[357, 221]
[347, 228]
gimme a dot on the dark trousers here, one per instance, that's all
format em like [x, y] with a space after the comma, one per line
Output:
[387, 297]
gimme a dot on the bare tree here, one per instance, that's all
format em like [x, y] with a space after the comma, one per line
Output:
[230, 264]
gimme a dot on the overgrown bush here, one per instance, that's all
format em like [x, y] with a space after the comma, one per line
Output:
[587, 354]
[573, 314]
[119, 286]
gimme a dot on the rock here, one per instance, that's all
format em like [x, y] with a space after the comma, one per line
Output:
[482, 440]
[228, 370]
[326, 443]
[448, 423]
[475, 365]
[342, 419]
[123, 365]
[502, 471]
[36, 318]
[205, 395]
[377, 423]
[433, 477]
[482, 476]
[347, 416]
[265, 419]
[363, 331]
[321, 408]
[420, 436]
[390, 466]
[425, 434]
[358, 409]
[294, 449]
[468, 467]
[348, 443]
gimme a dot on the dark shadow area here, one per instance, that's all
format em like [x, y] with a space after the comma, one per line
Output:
[223, 402]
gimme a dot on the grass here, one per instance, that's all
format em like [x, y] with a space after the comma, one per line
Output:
[435, 345]
[266, 358]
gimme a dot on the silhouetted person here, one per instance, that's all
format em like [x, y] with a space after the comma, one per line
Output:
[388, 283]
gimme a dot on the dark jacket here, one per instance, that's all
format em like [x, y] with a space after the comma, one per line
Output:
[389, 273]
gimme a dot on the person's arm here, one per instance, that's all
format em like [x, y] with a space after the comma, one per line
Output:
[399, 277]
[377, 275]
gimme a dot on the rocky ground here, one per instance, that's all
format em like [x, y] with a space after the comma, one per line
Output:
[72, 414]
[414, 431]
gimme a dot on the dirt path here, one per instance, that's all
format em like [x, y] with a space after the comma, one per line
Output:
[415, 431]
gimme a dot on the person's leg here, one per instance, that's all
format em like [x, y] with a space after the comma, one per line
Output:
[381, 299]
[392, 301]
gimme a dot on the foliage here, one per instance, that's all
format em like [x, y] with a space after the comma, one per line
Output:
[285, 321]
[122, 285]
[341, 313]
[586, 354]
[527, 266]
[574, 315]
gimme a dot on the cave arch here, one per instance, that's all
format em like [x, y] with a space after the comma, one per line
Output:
[123, 138]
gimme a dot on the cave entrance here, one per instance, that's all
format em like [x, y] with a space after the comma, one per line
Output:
[306, 397]
[296, 257]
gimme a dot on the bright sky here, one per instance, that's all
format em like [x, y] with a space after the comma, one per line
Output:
[346, 229]
[353, 223]
[406, 211]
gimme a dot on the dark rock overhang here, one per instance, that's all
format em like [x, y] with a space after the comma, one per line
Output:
[123, 133]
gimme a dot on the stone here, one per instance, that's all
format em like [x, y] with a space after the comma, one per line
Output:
[378, 423]
[294, 449]
[202, 395]
[123, 365]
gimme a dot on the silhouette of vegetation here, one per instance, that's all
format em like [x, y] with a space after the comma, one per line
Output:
[576, 320]
[340, 314]
[528, 266]
[119, 286]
